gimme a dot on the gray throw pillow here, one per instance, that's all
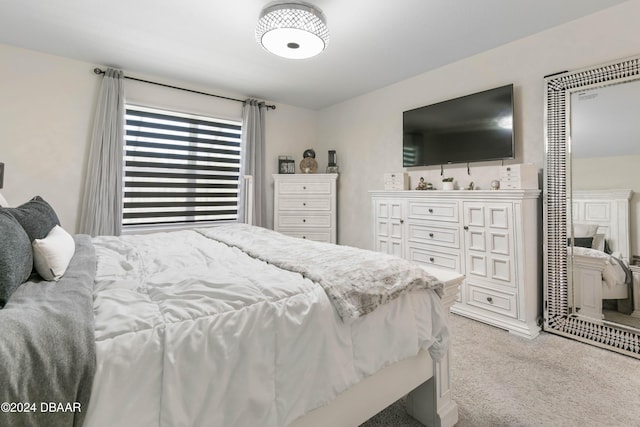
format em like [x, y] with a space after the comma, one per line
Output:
[16, 256]
[36, 216]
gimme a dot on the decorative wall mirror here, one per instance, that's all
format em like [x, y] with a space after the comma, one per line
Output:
[592, 192]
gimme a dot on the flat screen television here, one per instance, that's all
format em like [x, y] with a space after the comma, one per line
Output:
[472, 128]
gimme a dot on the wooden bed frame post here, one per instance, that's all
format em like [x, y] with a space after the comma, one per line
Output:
[431, 402]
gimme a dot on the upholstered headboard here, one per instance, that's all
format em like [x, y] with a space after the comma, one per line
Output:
[610, 210]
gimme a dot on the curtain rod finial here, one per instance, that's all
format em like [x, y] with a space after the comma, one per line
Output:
[98, 71]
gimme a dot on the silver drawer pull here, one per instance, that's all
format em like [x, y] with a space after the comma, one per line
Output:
[489, 299]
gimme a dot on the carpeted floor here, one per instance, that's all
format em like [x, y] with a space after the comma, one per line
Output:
[503, 380]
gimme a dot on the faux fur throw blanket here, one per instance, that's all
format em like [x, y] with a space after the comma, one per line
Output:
[356, 280]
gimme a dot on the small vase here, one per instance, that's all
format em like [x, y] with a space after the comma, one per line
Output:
[448, 185]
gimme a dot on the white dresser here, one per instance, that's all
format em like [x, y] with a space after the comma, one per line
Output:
[305, 206]
[489, 236]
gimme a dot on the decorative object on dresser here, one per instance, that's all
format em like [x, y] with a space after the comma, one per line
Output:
[447, 183]
[490, 237]
[305, 206]
[422, 185]
[332, 165]
[286, 164]
[523, 176]
[308, 163]
[396, 181]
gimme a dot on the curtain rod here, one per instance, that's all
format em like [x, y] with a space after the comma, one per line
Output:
[99, 71]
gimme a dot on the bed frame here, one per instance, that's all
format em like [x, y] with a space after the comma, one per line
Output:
[610, 210]
[426, 383]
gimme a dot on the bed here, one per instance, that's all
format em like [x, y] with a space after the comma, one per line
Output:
[223, 326]
[600, 251]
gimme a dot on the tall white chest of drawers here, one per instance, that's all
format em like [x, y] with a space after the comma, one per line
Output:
[305, 206]
[489, 236]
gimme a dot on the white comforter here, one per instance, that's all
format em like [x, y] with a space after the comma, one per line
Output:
[191, 332]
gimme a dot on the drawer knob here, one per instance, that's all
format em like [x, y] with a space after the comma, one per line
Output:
[489, 299]
[304, 187]
[304, 204]
[466, 228]
[430, 210]
[432, 259]
[304, 237]
[430, 234]
[402, 221]
[304, 220]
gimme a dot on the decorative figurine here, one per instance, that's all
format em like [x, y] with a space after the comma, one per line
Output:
[495, 184]
[421, 185]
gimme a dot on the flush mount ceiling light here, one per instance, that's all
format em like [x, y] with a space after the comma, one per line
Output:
[292, 30]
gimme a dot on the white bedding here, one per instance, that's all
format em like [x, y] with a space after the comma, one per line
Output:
[191, 332]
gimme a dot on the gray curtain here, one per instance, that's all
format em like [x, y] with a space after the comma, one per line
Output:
[102, 199]
[253, 147]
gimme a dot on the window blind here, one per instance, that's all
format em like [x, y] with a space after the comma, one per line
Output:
[179, 168]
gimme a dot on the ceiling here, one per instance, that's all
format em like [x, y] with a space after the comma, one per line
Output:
[211, 43]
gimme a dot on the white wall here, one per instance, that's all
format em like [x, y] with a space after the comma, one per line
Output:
[367, 130]
[46, 112]
[46, 105]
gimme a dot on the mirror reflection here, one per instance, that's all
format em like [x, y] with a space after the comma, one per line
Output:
[603, 203]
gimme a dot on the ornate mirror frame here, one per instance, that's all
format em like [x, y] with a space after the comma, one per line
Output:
[557, 316]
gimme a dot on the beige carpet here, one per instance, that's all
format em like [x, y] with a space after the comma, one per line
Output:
[503, 380]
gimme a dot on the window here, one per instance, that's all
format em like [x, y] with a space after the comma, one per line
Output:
[179, 168]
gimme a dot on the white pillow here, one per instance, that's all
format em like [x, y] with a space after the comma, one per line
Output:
[3, 202]
[51, 255]
[598, 242]
[584, 230]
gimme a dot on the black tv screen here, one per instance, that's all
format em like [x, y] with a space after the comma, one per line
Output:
[472, 128]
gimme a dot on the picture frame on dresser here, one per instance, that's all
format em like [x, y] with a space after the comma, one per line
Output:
[286, 165]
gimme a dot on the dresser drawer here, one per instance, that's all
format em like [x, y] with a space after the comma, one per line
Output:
[433, 211]
[429, 234]
[491, 299]
[311, 234]
[304, 220]
[311, 187]
[427, 256]
[319, 203]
